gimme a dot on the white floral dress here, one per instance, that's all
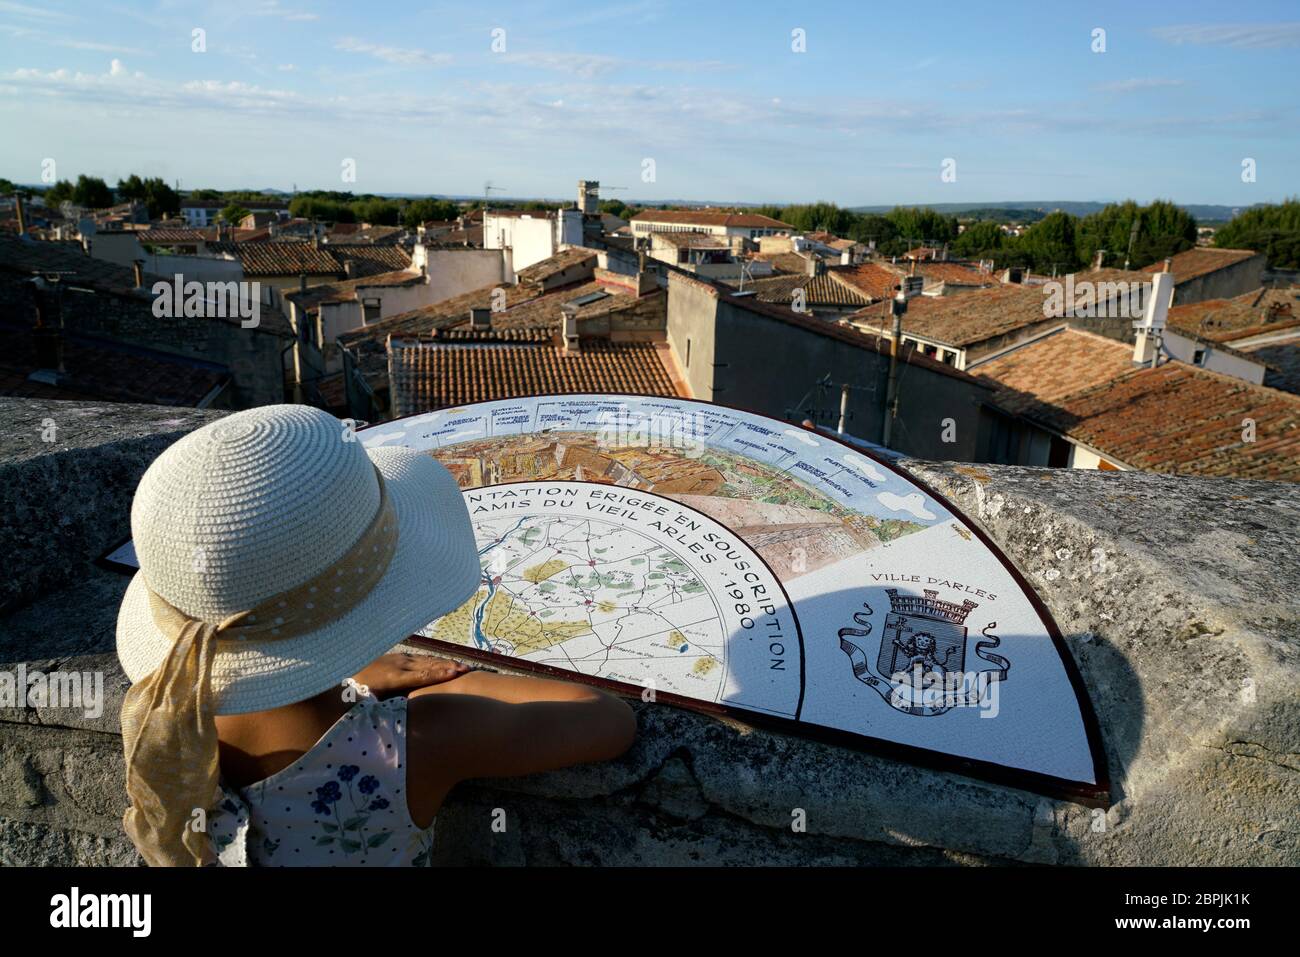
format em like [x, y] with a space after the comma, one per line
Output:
[343, 803]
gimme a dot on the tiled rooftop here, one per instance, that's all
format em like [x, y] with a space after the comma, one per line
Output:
[690, 240]
[101, 370]
[281, 259]
[436, 374]
[969, 318]
[956, 274]
[1053, 366]
[565, 258]
[32, 256]
[1174, 418]
[1251, 314]
[1195, 263]
[828, 289]
[873, 280]
[709, 217]
[168, 236]
[369, 259]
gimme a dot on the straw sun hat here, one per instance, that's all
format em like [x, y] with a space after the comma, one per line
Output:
[264, 502]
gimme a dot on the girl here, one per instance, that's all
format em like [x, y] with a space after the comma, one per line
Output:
[265, 725]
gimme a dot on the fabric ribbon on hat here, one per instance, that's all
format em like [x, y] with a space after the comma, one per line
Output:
[169, 731]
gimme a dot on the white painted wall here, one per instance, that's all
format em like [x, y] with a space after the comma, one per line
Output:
[1184, 349]
[454, 272]
[530, 239]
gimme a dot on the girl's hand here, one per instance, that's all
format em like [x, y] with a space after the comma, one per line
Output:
[399, 673]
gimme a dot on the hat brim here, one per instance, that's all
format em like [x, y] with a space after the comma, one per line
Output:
[434, 569]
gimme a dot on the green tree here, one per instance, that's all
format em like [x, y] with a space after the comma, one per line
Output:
[922, 227]
[871, 227]
[1050, 243]
[161, 199]
[324, 209]
[428, 210]
[379, 212]
[7, 188]
[234, 214]
[91, 192]
[614, 207]
[58, 193]
[1163, 229]
[1271, 229]
[980, 240]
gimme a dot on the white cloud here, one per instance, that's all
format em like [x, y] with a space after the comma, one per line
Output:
[863, 465]
[913, 504]
[592, 65]
[1250, 36]
[116, 69]
[399, 55]
[272, 8]
[71, 43]
[799, 435]
[29, 12]
[1134, 84]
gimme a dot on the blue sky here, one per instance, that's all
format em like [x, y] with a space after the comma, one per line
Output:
[712, 93]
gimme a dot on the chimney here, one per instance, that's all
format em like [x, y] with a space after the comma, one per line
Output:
[349, 268]
[570, 332]
[846, 257]
[1150, 329]
[1097, 260]
[302, 282]
[1168, 263]
[18, 209]
[137, 267]
[815, 266]
[480, 317]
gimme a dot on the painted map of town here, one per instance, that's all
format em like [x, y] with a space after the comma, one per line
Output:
[795, 527]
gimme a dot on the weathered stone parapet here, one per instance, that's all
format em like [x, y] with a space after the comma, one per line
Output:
[1176, 597]
[67, 474]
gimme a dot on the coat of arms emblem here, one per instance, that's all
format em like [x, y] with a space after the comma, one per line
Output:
[920, 666]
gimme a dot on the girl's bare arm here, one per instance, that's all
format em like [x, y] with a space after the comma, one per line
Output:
[483, 725]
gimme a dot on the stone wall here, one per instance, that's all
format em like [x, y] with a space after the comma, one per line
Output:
[253, 356]
[1176, 597]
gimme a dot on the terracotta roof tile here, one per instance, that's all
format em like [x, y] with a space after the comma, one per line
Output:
[281, 259]
[709, 217]
[1195, 263]
[432, 375]
[969, 318]
[1175, 418]
[827, 289]
[1250, 314]
[874, 280]
[1059, 364]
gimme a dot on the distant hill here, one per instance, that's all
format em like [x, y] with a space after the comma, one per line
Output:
[1202, 211]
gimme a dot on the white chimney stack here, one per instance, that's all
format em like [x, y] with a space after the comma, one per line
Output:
[570, 332]
[1150, 328]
